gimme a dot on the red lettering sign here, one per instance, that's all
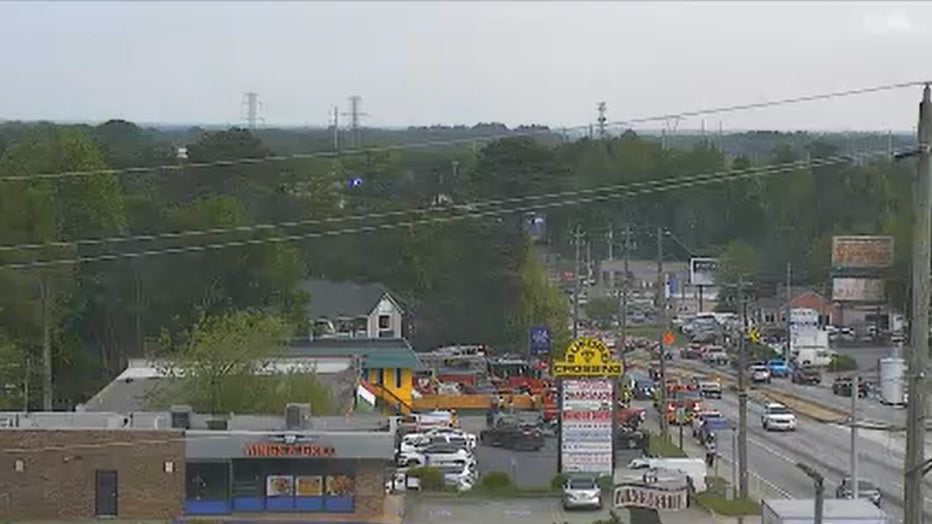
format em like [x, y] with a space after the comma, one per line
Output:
[587, 415]
[289, 450]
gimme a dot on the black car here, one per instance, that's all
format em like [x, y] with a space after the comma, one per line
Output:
[866, 490]
[842, 387]
[513, 436]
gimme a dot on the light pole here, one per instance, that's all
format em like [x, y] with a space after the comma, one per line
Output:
[819, 483]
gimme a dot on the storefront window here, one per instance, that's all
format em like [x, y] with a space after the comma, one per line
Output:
[207, 488]
[283, 485]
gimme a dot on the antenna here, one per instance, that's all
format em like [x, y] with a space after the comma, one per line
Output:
[253, 107]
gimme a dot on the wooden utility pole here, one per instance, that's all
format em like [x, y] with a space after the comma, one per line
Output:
[624, 292]
[913, 496]
[662, 311]
[577, 240]
[743, 394]
[45, 288]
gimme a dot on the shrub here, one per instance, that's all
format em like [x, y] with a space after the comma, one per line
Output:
[843, 363]
[431, 477]
[605, 482]
[556, 483]
[496, 481]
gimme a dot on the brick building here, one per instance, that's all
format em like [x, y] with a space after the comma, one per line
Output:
[83, 473]
[178, 464]
[772, 310]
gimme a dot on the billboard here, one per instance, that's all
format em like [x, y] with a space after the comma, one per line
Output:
[587, 425]
[848, 289]
[702, 271]
[862, 252]
[539, 340]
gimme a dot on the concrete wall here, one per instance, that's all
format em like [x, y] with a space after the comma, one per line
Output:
[58, 479]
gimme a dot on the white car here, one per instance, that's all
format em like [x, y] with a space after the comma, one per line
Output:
[778, 417]
[413, 443]
[434, 454]
[453, 436]
[460, 476]
[759, 374]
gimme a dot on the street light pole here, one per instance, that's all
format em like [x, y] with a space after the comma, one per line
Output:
[819, 483]
[743, 393]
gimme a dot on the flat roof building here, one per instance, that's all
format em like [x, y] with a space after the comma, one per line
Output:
[165, 465]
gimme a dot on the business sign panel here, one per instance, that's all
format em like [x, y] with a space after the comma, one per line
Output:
[651, 497]
[845, 289]
[862, 252]
[587, 425]
[587, 357]
[539, 340]
[702, 271]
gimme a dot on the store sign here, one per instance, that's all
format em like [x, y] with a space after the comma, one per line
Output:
[702, 271]
[289, 446]
[651, 497]
[845, 289]
[862, 252]
[587, 357]
[586, 425]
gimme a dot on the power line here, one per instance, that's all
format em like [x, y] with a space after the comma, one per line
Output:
[387, 214]
[677, 184]
[464, 140]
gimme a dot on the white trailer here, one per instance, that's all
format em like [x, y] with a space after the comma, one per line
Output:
[892, 378]
[834, 511]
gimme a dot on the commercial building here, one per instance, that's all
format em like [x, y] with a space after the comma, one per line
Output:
[165, 465]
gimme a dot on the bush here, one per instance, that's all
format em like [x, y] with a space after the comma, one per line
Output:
[605, 482]
[843, 363]
[556, 483]
[431, 477]
[496, 481]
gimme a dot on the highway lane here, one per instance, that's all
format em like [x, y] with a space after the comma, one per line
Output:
[826, 447]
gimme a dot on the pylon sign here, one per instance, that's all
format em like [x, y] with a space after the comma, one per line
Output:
[587, 357]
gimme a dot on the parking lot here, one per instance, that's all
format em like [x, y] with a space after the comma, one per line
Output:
[528, 469]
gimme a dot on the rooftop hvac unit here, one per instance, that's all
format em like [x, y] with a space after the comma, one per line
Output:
[297, 416]
[217, 424]
[181, 417]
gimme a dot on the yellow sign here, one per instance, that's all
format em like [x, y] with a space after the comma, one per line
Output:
[587, 357]
[754, 334]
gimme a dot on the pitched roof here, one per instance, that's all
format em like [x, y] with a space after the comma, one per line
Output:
[331, 299]
[375, 353]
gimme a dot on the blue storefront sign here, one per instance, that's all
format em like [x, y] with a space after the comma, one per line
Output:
[539, 340]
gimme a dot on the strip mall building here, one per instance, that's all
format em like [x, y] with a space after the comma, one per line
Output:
[171, 466]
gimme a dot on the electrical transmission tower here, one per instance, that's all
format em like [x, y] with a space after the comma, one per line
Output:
[355, 115]
[253, 110]
[602, 120]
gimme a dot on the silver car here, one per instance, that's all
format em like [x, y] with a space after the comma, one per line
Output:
[581, 493]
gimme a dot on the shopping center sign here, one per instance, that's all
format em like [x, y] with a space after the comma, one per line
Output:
[587, 357]
[289, 446]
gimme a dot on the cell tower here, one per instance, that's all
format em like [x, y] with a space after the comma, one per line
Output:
[602, 120]
[355, 115]
[252, 104]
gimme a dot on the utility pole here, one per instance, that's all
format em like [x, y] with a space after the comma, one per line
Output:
[588, 262]
[855, 388]
[624, 291]
[577, 240]
[913, 496]
[602, 120]
[611, 258]
[743, 395]
[45, 286]
[355, 115]
[789, 325]
[662, 309]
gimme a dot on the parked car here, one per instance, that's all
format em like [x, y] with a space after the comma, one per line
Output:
[806, 375]
[513, 436]
[866, 490]
[582, 492]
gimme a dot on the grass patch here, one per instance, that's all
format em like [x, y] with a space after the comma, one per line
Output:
[729, 508]
[664, 447]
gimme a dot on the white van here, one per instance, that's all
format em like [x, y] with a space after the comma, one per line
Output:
[694, 468]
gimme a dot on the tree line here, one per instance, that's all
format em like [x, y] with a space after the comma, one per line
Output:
[401, 217]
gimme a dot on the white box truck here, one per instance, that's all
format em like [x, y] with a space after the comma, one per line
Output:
[834, 511]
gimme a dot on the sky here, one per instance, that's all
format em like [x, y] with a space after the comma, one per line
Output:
[424, 63]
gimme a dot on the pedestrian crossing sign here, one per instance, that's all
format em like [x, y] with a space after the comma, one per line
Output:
[753, 334]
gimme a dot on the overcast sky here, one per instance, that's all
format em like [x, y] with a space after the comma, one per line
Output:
[424, 63]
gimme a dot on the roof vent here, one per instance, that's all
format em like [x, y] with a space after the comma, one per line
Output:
[181, 417]
[297, 416]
